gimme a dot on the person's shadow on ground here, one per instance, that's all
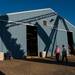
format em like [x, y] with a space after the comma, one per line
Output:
[52, 61]
[1, 73]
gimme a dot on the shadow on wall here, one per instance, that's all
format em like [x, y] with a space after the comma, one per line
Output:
[52, 37]
[48, 39]
[9, 42]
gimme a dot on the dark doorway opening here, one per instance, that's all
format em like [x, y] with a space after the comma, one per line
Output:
[70, 42]
[32, 45]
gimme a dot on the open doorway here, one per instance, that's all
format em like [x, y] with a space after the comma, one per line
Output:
[70, 41]
[32, 45]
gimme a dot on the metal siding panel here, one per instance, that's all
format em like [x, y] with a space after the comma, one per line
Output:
[2, 46]
[28, 14]
[19, 33]
[62, 39]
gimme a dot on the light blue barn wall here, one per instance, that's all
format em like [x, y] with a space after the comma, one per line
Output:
[18, 32]
[72, 29]
[61, 37]
[2, 47]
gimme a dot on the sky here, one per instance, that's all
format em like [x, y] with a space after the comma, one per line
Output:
[65, 8]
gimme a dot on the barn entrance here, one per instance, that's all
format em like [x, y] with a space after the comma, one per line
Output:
[32, 45]
[70, 41]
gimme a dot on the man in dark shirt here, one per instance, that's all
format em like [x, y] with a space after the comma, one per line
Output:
[64, 54]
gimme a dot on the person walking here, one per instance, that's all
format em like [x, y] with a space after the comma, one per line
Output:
[64, 54]
[57, 53]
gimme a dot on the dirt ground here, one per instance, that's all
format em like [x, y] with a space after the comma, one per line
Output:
[37, 66]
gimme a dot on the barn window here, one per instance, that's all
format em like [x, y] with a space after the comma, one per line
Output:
[45, 22]
[51, 20]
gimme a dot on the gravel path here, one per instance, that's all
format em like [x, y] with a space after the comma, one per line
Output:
[37, 66]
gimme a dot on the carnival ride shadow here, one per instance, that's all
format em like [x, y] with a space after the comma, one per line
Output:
[51, 39]
[45, 38]
[8, 41]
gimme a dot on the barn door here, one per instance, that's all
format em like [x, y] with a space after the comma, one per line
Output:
[32, 49]
[70, 41]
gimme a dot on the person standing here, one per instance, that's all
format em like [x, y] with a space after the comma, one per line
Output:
[9, 55]
[64, 54]
[57, 53]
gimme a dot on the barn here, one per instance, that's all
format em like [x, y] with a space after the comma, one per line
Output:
[27, 33]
